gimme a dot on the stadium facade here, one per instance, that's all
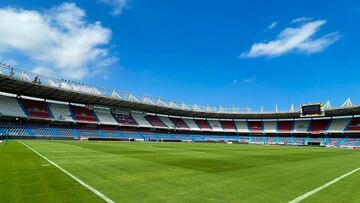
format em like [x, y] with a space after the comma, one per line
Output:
[34, 106]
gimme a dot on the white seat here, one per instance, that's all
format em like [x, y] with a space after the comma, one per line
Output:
[216, 125]
[9, 106]
[242, 126]
[167, 122]
[105, 117]
[141, 120]
[60, 112]
[191, 123]
[338, 125]
[270, 126]
[301, 126]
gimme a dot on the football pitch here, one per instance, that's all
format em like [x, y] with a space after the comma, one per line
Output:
[53, 171]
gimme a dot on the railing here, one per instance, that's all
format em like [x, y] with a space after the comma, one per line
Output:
[121, 95]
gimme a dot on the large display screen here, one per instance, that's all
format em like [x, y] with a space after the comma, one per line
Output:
[312, 110]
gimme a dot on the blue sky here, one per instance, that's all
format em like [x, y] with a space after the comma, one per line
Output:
[235, 52]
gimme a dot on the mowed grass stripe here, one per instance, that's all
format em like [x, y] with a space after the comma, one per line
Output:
[195, 172]
[26, 177]
[99, 194]
[312, 192]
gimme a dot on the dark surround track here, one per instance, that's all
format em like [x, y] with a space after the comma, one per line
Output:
[20, 87]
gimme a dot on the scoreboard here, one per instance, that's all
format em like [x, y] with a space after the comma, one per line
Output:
[310, 110]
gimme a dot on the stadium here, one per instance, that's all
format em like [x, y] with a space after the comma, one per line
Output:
[35, 107]
[179, 101]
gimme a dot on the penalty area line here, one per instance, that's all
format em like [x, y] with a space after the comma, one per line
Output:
[97, 193]
[302, 197]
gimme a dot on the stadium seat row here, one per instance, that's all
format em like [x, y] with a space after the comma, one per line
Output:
[44, 130]
[25, 108]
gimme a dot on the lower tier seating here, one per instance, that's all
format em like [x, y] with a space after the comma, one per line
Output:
[28, 129]
[14, 129]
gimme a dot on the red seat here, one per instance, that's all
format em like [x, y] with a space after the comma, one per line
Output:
[155, 121]
[255, 126]
[354, 125]
[229, 126]
[179, 123]
[83, 114]
[203, 124]
[36, 109]
[124, 119]
[319, 126]
[285, 126]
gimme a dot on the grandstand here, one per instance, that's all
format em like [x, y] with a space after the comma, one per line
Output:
[28, 112]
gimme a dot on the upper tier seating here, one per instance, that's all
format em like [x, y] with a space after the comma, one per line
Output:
[36, 109]
[255, 126]
[124, 119]
[203, 124]
[61, 112]
[229, 126]
[242, 127]
[285, 126]
[354, 125]
[9, 106]
[301, 126]
[338, 125]
[155, 121]
[105, 117]
[167, 122]
[319, 126]
[215, 125]
[270, 126]
[141, 120]
[179, 123]
[83, 114]
[191, 123]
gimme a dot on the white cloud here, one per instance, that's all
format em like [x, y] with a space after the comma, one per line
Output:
[117, 5]
[249, 80]
[301, 20]
[59, 38]
[298, 39]
[42, 70]
[272, 25]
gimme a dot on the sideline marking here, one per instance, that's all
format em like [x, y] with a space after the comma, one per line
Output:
[99, 194]
[302, 197]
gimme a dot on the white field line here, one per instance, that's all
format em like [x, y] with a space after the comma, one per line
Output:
[99, 194]
[302, 197]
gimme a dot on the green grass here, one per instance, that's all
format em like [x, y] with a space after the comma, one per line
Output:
[175, 172]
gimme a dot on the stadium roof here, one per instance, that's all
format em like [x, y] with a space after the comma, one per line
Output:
[24, 83]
